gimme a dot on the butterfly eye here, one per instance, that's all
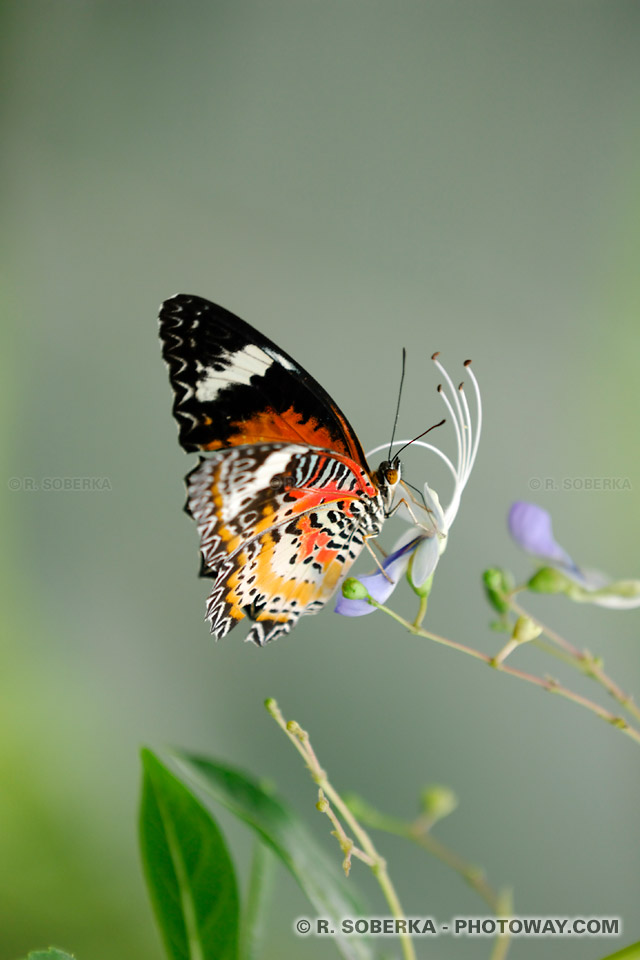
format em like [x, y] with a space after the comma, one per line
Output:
[391, 476]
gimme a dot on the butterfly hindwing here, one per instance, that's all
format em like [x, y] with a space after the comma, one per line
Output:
[280, 525]
[233, 386]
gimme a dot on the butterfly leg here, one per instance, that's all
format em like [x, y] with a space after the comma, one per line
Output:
[423, 506]
[417, 522]
[419, 503]
[377, 562]
[381, 550]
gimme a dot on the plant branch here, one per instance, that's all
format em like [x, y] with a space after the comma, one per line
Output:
[418, 831]
[328, 796]
[582, 659]
[545, 683]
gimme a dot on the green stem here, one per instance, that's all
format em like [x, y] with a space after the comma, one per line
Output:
[502, 655]
[422, 609]
[420, 632]
[470, 874]
[300, 740]
[418, 832]
[553, 651]
[502, 942]
[546, 683]
[582, 660]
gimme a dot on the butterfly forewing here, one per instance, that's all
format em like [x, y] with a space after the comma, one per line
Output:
[234, 386]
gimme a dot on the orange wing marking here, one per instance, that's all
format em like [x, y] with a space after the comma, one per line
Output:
[267, 426]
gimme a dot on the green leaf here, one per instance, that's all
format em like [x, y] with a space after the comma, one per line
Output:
[188, 870]
[321, 878]
[255, 915]
[51, 954]
[632, 952]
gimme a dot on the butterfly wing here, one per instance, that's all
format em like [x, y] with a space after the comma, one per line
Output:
[280, 525]
[234, 386]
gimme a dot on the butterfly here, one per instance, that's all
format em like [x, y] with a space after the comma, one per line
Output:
[283, 497]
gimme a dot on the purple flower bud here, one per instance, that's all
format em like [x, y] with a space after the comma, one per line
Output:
[530, 526]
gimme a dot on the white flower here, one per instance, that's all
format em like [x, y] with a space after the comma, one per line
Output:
[426, 539]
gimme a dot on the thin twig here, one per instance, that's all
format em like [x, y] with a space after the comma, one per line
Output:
[418, 831]
[581, 659]
[300, 739]
[546, 683]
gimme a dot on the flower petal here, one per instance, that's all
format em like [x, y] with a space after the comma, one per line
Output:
[425, 560]
[409, 539]
[530, 526]
[434, 508]
[379, 586]
[619, 601]
[616, 595]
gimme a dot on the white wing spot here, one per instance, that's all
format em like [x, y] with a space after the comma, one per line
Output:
[282, 360]
[242, 365]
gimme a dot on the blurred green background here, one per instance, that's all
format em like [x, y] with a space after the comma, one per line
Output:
[350, 177]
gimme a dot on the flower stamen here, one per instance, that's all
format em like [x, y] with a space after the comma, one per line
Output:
[476, 389]
[462, 458]
[456, 427]
[467, 438]
[418, 550]
[469, 429]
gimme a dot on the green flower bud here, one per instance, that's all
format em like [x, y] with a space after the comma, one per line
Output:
[548, 580]
[352, 589]
[497, 583]
[438, 801]
[525, 629]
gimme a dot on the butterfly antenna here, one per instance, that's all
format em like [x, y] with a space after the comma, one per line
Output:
[423, 434]
[395, 422]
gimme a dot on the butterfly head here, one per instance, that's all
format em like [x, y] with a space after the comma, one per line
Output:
[387, 478]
